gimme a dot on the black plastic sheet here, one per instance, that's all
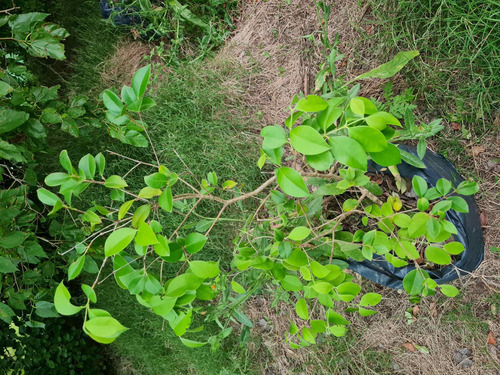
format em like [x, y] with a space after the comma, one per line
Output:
[468, 226]
[118, 15]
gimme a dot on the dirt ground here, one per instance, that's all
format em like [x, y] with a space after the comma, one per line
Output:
[269, 41]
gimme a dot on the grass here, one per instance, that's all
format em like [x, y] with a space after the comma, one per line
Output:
[457, 73]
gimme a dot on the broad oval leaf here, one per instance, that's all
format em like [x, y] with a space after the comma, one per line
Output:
[118, 240]
[307, 141]
[349, 152]
[291, 182]
[62, 301]
[312, 103]
[371, 139]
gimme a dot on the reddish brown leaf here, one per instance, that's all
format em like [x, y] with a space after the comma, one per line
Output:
[476, 150]
[433, 309]
[415, 310]
[456, 126]
[491, 339]
[409, 346]
[484, 218]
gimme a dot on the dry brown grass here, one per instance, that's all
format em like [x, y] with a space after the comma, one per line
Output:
[269, 41]
[126, 60]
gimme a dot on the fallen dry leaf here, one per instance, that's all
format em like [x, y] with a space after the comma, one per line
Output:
[476, 150]
[484, 218]
[433, 309]
[456, 126]
[415, 310]
[491, 339]
[409, 346]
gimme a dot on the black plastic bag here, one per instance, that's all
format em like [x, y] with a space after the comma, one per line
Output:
[468, 227]
[119, 16]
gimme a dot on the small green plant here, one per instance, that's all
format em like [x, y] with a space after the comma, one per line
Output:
[293, 242]
[181, 26]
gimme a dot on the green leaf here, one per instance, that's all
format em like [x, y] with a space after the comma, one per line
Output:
[89, 292]
[124, 209]
[301, 309]
[145, 235]
[418, 226]
[87, 165]
[412, 159]
[75, 268]
[128, 95]
[370, 299]
[312, 103]
[65, 161]
[291, 283]
[402, 220]
[357, 106]
[6, 265]
[5, 88]
[390, 68]
[454, 248]
[11, 152]
[62, 301]
[381, 119]
[443, 186]
[307, 141]
[118, 240]
[192, 344]
[299, 233]
[115, 182]
[156, 180]
[195, 242]
[348, 291]
[140, 215]
[237, 287]
[413, 281]
[449, 290]
[291, 182]
[458, 204]
[433, 227]
[204, 270]
[112, 101]
[12, 240]
[140, 80]
[371, 139]
[56, 179]
[162, 306]
[47, 197]
[179, 285]
[6, 313]
[327, 117]
[242, 318]
[390, 156]
[320, 162]
[335, 318]
[349, 152]
[274, 137]
[467, 188]
[105, 327]
[166, 200]
[322, 287]
[437, 255]
[319, 270]
[298, 258]
[11, 119]
[149, 192]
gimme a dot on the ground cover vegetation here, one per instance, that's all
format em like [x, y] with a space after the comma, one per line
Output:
[158, 217]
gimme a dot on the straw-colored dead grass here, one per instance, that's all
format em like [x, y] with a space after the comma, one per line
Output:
[270, 41]
[126, 60]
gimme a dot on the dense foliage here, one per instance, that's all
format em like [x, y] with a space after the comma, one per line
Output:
[292, 244]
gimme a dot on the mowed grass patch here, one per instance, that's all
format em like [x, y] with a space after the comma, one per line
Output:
[457, 73]
[200, 125]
